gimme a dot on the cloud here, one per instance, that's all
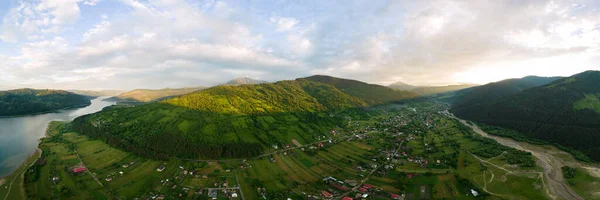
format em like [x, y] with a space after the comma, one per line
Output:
[176, 43]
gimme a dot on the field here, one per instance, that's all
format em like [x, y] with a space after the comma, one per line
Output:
[586, 185]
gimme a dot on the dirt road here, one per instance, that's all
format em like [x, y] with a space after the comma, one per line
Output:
[557, 188]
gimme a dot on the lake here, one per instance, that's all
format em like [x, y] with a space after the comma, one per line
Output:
[19, 136]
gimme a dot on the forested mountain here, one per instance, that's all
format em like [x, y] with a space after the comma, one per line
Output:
[228, 121]
[497, 90]
[369, 93]
[146, 95]
[429, 90]
[30, 101]
[98, 93]
[402, 86]
[564, 112]
[244, 80]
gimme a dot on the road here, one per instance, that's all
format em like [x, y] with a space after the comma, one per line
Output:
[94, 176]
[557, 188]
[355, 188]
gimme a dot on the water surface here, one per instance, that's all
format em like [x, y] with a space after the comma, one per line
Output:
[19, 136]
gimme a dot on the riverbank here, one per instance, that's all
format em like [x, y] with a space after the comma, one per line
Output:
[550, 158]
[50, 111]
[12, 185]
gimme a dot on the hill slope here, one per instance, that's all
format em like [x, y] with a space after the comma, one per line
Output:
[497, 90]
[244, 81]
[369, 93]
[563, 112]
[146, 95]
[225, 121]
[30, 101]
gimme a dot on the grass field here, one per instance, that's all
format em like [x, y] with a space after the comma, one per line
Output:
[586, 185]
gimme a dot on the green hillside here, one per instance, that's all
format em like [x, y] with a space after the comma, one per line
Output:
[146, 95]
[225, 121]
[369, 93]
[564, 112]
[30, 101]
[498, 90]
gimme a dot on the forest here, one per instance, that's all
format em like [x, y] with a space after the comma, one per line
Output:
[30, 101]
[548, 113]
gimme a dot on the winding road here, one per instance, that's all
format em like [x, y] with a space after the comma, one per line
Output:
[557, 188]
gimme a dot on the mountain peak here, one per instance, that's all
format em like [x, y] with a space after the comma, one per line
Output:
[402, 86]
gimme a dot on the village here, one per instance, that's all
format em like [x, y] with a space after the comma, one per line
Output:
[407, 153]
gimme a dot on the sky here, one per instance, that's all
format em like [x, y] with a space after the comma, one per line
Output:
[127, 44]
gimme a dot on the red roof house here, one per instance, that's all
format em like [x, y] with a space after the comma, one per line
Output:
[320, 144]
[362, 189]
[342, 188]
[395, 196]
[326, 194]
[346, 198]
[79, 169]
[410, 175]
[367, 186]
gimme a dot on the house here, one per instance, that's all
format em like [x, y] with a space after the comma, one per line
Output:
[346, 198]
[79, 169]
[339, 187]
[326, 194]
[362, 190]
[320, 144]
[125, 165]
[395, 196]
[367, 186]
[234, 195]
[160, 168]
[410, 175]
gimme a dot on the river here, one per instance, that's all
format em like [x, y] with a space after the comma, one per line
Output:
[549, 158]
[19, 136]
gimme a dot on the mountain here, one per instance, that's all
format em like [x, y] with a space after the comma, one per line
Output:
[402, 86]
[97, 93]
[429, 90]
[369, 93]
[146, 95]
[244, 81]
[230, 121]
[30, 101]
[564, 112]
[497, 90]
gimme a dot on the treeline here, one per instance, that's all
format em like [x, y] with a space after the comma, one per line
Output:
[547, 113]
[489, 148]
[29, 101]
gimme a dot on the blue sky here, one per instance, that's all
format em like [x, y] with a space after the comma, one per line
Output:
[126, 44]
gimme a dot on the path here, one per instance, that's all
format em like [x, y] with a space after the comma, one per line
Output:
[239, 186]
[22, 174]
[557, 188]
[355, 188]
[94, 176]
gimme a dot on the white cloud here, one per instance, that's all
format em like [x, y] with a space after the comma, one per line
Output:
[283, 23]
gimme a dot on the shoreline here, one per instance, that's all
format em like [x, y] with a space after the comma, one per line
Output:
[37, 150]
[47, 112]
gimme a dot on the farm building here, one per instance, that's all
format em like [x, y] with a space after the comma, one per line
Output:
[326, 194]
[79, 169]
[160, 168]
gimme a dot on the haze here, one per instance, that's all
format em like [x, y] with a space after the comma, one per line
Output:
[126, 44]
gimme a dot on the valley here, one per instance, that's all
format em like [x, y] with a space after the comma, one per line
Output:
[408, 151]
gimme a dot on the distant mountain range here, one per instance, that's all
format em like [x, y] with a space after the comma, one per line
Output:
[563, 111]
[98, 93]
[148, 95]
[31, 101]
[244, 81]
[236, 121]
[429, 90]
